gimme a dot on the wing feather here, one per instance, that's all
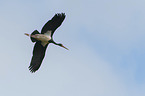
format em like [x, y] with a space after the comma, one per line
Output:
[54, 23]
[38, 55]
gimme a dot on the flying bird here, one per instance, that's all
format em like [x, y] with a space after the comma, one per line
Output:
[43, 39]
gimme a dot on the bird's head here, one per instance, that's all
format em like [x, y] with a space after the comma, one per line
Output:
[61, 45]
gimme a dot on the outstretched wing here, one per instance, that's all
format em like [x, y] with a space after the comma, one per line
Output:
[38, 55]
[53, 24]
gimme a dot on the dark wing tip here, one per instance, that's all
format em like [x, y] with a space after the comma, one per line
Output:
[59, 17]
[36, 61]
[54, 23]
[60, 14]
[33, 68]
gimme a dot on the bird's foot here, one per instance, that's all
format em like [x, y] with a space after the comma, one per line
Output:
[26, 34]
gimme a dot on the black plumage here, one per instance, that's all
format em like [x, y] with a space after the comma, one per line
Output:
[53, 24]
[38, 55]
[39, 49]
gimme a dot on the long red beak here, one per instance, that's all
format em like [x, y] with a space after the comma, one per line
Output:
[65, 47]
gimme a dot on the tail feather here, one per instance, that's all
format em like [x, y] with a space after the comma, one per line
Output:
[33, 33]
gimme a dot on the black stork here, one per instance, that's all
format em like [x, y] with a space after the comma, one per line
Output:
[43, 39]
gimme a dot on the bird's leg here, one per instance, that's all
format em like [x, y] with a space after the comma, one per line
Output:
[34, 36]
[27, 34]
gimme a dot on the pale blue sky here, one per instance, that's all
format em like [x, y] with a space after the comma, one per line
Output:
[106, 39]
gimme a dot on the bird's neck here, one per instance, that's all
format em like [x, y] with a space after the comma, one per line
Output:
[51, 41]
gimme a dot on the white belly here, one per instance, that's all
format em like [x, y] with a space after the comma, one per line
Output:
[43, 38]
